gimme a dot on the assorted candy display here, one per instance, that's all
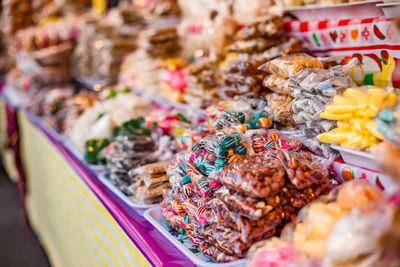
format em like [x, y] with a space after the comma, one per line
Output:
[240, 184]
[223, 120]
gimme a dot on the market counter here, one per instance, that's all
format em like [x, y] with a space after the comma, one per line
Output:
[77, 220]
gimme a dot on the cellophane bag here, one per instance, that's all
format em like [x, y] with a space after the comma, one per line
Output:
[287, 66]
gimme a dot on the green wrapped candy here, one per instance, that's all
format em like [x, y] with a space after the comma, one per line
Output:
[220, 162]
[240, 116]
[241, 150]
[186, 180]
[228, 142]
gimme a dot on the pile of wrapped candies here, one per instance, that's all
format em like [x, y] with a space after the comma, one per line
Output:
[351, 227]
[239, 184]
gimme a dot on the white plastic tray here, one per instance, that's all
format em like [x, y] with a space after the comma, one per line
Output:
[140, 208]
[358, 158]
[153, 215]
[72, 148]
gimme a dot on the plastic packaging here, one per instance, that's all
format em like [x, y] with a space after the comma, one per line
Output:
[254, 176]
[279, 107]
[150, 181]
[354, 226]
[252, 208]
[277, 84]
[303, 171]
[233, 233]
[286, 66]
[321, 81]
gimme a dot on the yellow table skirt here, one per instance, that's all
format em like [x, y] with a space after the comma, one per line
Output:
[71, 222]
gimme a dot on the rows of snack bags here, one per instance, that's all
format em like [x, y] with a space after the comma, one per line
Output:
[235, 164]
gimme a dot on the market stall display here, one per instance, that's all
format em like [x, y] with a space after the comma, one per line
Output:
[223, 123]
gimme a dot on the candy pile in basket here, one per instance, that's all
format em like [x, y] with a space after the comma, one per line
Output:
[356, 225]
[240, 183]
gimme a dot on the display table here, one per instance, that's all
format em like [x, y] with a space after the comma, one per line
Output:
[77, 219]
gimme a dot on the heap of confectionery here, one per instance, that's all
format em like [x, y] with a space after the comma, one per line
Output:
[208, 132]
[240, 184]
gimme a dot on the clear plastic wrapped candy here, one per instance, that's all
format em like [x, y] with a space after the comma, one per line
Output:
[287, 66]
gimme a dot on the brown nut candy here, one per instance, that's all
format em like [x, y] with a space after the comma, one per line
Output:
[303, 171]
[254, 177]
[252, 208]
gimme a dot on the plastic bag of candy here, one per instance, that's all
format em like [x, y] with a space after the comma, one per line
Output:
[257, 176]
[287, 66]
[277, 84]
[321, 81]
[230, 231]
[279, 107]
[252, 208]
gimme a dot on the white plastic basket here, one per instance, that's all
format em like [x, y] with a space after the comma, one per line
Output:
[140, 208]
[358, 158]
[153, 215]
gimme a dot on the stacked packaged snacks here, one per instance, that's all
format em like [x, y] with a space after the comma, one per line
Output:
[150, 181]
[161, 42]
[240, 72]
[103, 44]
[136, 160]
[312, 90]
[105, 48]
[354, 111]
[326, 233]
[125, 154]
[203, 80]
[45, 52]
[154, 68]
[280, 70]
[258, 36]
[98, 121]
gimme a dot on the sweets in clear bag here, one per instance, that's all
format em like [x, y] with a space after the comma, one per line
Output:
[286, 66]
[254, 176]
[279, 107]
[324, 82]
[277, 84]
